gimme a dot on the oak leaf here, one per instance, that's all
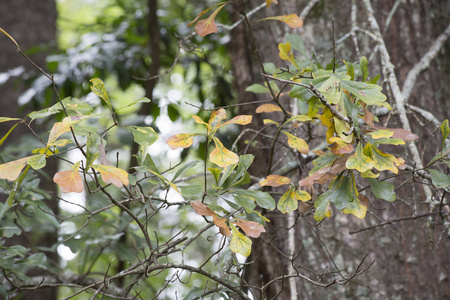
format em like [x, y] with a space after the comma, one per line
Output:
[70, 181]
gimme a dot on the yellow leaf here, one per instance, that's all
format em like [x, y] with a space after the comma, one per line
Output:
[383, 161]
[297, 143]
[239, 243]
[288, 201]
[221, 156]
[182, 140]
[291, 20]
[342, 128]
[217, 117]
[11, 170]
[113, 175]
[98, 88]
[381, 134]
[240, 120]
[269, 121]
[359, 161]
[268, 2]
[326, 118]
[267, 108]
[208, 26]
[285, 52]
[275, 181]
[70, 181]
[356, 208]
[58, 129]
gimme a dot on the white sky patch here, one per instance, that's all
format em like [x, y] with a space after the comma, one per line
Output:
[65, 252]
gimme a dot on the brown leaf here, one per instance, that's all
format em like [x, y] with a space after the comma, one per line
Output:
[221, 223]
[251, 229]
[202, 209]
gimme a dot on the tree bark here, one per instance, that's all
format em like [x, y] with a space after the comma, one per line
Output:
[32, 24]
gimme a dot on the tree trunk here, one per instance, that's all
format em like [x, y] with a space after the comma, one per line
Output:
[32, 24]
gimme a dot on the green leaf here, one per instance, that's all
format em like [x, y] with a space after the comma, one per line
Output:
[445, 131]
[323, 161]
[366, 92]
[98, 88]
[257, 89]
[440, 155]
[245, 201]
[216, 173]
[263, 199]
[92, 149]
[191, 191]
[439, 179]
[345, 192]
[331, 90]
[6, 119]
[359, 161]
[188, 165]
[8, 133]
[388, 142]
[143, 135]
[140, 100]
[381, 189]
[37, 161]
[350, 70]
[322, 205]
[36, 259]
[239, 243]
[364, 69]
[297, 43]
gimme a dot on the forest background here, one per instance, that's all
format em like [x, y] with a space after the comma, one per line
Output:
[86, 246]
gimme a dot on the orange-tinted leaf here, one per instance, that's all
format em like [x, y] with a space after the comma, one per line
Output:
[251, 229]
[297, 143]
[70, 181]
[275, 181]
[11, 170]
[58, 129]
[403, 134]
[113, 175]
[182, 140]
[400, 163]
[319, 152]
[221, 156]
[221, 223]
[268, 2]
[202, 209]
[267, 108]
[368, 117]
[240, 120]
[204, 12]
[325, 174]
[291, 20]
[340, 147]
[208, 26]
